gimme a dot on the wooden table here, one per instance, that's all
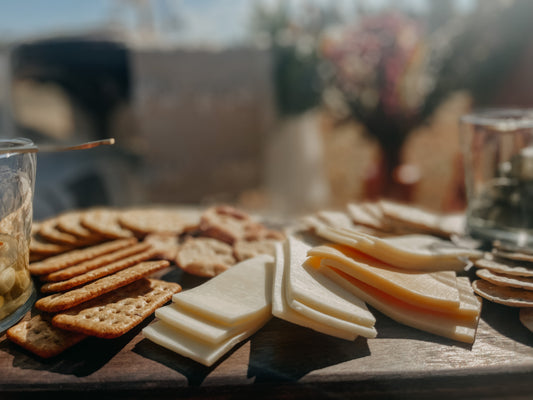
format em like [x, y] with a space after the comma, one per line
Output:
[286, 361]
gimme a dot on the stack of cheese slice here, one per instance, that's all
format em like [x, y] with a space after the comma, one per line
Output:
[437, 302]
[303, 296]
[413, 252]
[207, 321]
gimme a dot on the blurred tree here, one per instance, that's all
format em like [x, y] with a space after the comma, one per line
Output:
[390, 71]
[293, 43]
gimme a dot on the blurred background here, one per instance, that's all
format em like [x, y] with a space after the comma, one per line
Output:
[277, 106]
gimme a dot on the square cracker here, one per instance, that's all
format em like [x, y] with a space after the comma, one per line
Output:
[55, 263]
[62, 301]
[42, 338]
[94, 263]
[117, 312]
[97, 273]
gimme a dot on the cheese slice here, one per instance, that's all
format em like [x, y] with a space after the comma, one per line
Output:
[202, 329]
[332, 326]
[408, 314]
[237, 295]
[190, 347]
[415, 287]
[306, 286]
[418, 252]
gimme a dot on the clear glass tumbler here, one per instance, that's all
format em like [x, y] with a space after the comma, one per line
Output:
[17, 181]
[498, 161]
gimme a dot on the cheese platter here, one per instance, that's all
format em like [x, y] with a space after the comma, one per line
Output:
[276, 356]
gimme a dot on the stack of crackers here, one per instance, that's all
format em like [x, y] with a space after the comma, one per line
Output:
[93, 267]
[506, 277]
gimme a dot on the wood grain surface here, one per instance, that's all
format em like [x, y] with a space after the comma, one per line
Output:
[286, 361]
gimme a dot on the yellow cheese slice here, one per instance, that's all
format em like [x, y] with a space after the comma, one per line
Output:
[197, 350]
[415, 287]
[419, 252]
[237, 295]
[408, 314]
[305, 285]
[332, 326]
[202, 329]
[470, 306]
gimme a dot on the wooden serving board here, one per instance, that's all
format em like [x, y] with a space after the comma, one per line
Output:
[287, 361]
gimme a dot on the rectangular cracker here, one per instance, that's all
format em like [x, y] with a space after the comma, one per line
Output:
[117, 312]
[97, 262]
[62, 301]
[42, 338]
[98, 273]
[73, 257]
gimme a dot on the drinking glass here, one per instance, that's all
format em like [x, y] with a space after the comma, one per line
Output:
[17, 181]
[498, 161]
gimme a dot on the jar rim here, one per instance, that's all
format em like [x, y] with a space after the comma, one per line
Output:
[503, 119]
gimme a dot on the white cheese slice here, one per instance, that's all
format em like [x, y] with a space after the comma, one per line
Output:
[419, 252]
[407, 314]
[326, 319]
[328, 325]
[197, 350]
[306, 285]
[415, 287]
[202, 329]
[237, 295]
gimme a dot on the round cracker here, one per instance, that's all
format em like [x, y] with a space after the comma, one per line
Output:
[144, 221]
[508, 296]
[245, 249]
[105, 222]
[50, 232]
[514, 255]
[205, 257]
[507, 267]
[70, 222]
[505, 280]
[166, 246]
[526, 318]
[40, 246]
[228, 224]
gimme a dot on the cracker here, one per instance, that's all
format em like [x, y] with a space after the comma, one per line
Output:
[501, 266]
[45, 248]
[62, 301]
[117, 312]
[50, 231]
[511, 247]
[244, 249]
[144, 221]
[505, 280]
[70, 222]
[97, 273]
[508, 296]
[228, 224]
[166, 245]
[42, 338]
[526, 317]
[73, 257]
[205, 257]
[104, 221]
[94, 263]
[514, 255]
